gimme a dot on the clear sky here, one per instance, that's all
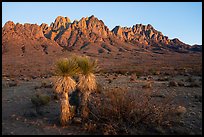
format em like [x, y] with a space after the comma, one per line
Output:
[181, 20]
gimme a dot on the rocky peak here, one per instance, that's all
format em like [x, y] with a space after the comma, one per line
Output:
[118, 31]
[60, 23]
[9, 25]
[44, 26]
[23, 30]
[94, 25]
[176, 40]
[143, 34]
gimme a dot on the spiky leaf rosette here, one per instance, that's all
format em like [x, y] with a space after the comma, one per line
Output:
[87, 65]
[67, 67]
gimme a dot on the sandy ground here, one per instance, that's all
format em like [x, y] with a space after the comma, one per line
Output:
[19, 116]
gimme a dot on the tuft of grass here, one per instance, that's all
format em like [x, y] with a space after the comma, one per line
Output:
[147, 85]
[165, 78]
[46, 84]
[190, 79]
[133, 77]
[154, 71]
[173, 83]
[40, 100]
[180, 110]
[180, 83]
[194, 84]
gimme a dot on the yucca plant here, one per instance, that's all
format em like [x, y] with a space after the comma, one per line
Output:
[87, 81]
[65, 69]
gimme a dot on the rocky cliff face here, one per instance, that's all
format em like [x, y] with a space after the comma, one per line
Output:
[19, 39]
[90, 33]
[68, 34]
[147, 36]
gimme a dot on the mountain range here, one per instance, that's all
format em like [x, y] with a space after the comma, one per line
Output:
[89, 34]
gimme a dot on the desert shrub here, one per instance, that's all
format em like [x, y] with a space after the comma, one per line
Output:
[180, 83]
[139, 73]
[99, 88]
[11, 84]
[173, 83]
[101, 51]
[133, 77]
[180, 110]
[116, 111]
[165, 78]
[194, 84]
[46, 84]
[39, 100]
[154, 71]
[121, 50]
[122, 72]
[198, 98]
[147, 85]
[190, 79]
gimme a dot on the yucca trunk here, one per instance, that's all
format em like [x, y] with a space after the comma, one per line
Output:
[86, 85]
[65, 114]
[83, 104]
[63, 86]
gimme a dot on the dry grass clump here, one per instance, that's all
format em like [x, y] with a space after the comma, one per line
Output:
[194, 84]
[190, 79]
[46, 84]
[39, 100]
[180, 110]
[173, 83]
[117, 111]
[165, 78]
[133, 77]
[154, 71]
[147, 85]
[180, 83]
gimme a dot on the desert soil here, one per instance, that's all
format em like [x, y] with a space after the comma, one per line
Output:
[20, 118]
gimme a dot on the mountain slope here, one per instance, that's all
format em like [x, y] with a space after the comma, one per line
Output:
[88, 35]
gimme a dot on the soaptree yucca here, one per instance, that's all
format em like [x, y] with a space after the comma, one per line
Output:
[65, 69]
[87, 81]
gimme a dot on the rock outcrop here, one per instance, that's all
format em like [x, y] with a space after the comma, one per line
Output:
[26, 38]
